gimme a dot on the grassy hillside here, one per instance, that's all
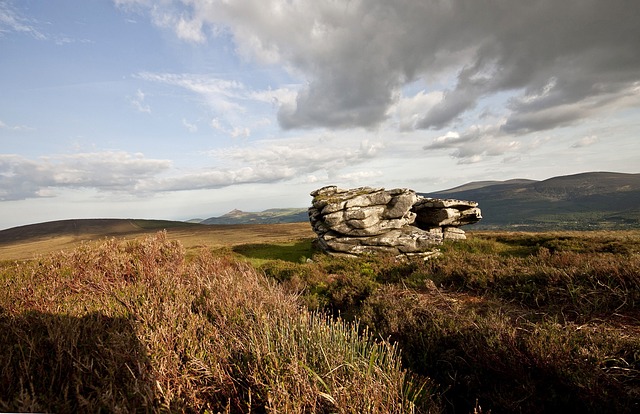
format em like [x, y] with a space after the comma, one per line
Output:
[271, 216]
[512, 322]
[25, 242]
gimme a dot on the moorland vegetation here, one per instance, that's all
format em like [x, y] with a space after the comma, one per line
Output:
[512, 322]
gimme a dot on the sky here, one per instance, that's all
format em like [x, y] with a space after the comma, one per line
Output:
[181, 109]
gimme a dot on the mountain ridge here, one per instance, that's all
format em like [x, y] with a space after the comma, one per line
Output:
[269, 216]
[591, 200]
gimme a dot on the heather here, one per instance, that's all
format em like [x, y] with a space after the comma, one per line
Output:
[516, 322]
[501, 322]
[127, 326]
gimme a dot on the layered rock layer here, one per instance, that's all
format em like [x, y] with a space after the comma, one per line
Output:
[398, 221]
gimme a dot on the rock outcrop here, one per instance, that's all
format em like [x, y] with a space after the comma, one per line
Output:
[368, 220]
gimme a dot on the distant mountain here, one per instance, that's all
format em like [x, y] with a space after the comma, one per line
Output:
[474, 185]
[86, 229]
[271, 216]
[594, 200]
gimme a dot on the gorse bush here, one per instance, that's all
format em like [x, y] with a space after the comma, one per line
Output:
[134, 326]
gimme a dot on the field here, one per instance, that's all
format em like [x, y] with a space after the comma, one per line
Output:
[27, 241]
[244, 322]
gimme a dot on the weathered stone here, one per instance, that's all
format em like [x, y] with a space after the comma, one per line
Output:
[400, 205]
[379, 198]
[454, 233]
[437, 213]
[363, 223]
[444, 203]
[332, 207]
[330, 189]
[374, 220]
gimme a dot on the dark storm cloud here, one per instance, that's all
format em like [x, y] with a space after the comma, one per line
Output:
[561, 59]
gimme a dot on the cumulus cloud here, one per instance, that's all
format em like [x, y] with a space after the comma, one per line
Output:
[265, 161]
[22, 178]
[476, 143]
[561, 60]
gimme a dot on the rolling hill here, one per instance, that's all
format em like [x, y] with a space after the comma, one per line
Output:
[594, 200]
[271, 216]
[25, 242]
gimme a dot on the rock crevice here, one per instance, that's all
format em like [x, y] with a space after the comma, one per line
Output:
[369, 220]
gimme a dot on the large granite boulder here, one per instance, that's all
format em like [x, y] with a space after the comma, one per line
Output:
[362, 211]
[368, 220]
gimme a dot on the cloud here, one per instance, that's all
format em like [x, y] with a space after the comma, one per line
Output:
[189, 30]
[271, 161]
[236, 110]
[189, 126]
[22, 178]
[240, 132]
[585, 141]
[17, 128]
[476, 143]
[234, 132]
[12, 22]
[559, 60]
[138, 102]
[303, 155]
[360, 176]
[265, 161]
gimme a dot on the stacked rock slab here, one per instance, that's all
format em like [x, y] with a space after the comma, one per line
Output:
[446, 214]
[369, 220]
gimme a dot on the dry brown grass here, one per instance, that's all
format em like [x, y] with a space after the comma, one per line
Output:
[135, 326]
[29, 241]
[515, 322]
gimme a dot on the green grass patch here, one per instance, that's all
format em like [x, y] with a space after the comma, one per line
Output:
[162, 224]
[258, 254]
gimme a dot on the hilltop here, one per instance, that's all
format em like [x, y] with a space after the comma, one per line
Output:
[43, 238]
[593, 200]
[270, 216]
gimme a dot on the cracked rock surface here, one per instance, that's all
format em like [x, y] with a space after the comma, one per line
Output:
[369, 220]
